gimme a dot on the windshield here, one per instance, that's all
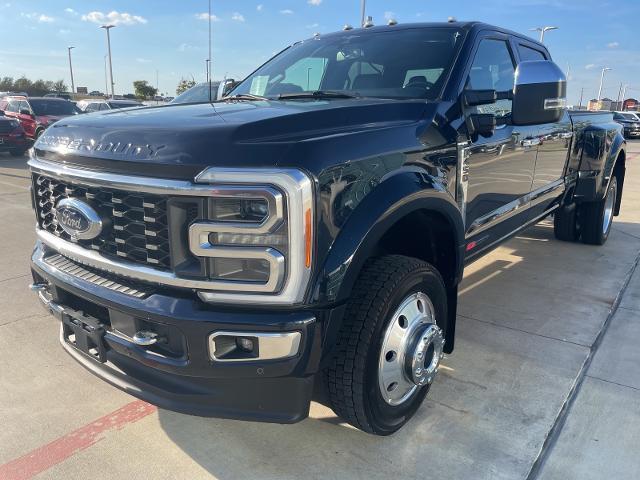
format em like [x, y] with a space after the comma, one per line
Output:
[627, 116]
[53, 107]
[410, 63]
[198, 94]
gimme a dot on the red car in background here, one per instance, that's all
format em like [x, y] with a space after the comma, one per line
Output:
[36, 114]
[12, 136]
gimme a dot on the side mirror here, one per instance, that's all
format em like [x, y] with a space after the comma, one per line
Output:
[25, 111]
[483, 124]
[539, 93]
[474, 98]
[225, 87]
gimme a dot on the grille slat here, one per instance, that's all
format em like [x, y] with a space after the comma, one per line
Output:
[136, 223]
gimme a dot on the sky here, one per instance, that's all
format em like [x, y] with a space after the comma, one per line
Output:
[165, 41]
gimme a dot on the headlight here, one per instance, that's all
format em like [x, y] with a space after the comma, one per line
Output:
[258, 234]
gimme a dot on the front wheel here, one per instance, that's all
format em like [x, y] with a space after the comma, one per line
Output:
[596, 218]
[390, 344]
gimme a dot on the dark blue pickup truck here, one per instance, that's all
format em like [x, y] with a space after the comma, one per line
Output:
[217, 259]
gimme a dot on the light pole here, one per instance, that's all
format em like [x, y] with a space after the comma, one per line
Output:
[542, 31]
[206, 69]
[107, 28]
[106, 84]
[363, 7]
[73, 86]
[605, 69]
[209, 63]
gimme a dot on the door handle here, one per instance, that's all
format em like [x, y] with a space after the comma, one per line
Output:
[531, 142]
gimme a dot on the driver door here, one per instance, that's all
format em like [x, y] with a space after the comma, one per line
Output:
[500, 166]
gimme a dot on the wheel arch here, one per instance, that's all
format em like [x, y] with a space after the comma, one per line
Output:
[393, 219]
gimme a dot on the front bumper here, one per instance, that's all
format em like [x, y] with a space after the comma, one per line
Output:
[184, 378]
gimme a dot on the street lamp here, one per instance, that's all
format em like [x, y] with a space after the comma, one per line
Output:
[542, 31]
[106, 84]
[73, 86]
[107, 28]
[605, 69]
[363, 7]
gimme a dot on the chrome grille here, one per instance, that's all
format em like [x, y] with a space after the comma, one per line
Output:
[136, 223]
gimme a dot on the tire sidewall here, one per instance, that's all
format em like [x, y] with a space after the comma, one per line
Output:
[613, 189]
[384, 418]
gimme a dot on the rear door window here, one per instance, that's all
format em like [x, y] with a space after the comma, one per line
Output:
[530, 54]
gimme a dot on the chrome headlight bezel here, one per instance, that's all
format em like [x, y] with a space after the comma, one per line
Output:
[289, 193]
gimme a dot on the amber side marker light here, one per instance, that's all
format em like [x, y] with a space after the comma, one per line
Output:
[307, 238]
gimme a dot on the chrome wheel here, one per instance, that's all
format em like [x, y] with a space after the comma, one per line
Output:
[411, 351]
[608, 206]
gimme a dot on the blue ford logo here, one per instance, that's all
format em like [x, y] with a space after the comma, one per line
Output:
[78, 219]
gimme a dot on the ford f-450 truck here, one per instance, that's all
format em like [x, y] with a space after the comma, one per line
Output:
[216, 259]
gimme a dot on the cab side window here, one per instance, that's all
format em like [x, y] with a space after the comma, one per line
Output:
[493, 69]
[12, 106]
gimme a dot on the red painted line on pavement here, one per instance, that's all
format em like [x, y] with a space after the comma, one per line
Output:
[45, 457]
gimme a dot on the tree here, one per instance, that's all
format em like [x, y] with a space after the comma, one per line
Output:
[184, 85]
[22, 84]
[60, 86]
[6, 84]
[34, 89]
[143, 89]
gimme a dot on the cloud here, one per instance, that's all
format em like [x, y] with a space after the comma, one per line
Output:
[71, 11]
[183, 47]
[143, 60]
[38, 17]
[260, 7]
[205, 16]
[238, 17]
[114, 18]
[313, 25]
[590, 66]
[613, 45]
[64, 31]
[315, 3]
[286, 11]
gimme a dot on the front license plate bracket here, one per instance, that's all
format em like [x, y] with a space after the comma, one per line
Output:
[85, 333]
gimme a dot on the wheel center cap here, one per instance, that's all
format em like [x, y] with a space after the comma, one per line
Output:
[424, 357]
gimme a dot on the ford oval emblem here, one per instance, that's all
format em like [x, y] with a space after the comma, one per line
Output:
[78, 219]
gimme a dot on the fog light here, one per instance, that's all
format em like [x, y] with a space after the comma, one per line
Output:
[245, 344]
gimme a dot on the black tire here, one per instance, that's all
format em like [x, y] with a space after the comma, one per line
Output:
[38, 133]
[592, 217]
[565, 227]
[351, 377]
[17, 153]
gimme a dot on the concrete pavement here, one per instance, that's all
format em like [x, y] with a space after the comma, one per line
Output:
[543, 382]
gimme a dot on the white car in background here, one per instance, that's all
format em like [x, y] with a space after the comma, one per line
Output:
[88, 106]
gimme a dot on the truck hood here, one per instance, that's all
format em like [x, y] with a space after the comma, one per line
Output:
[180, 140]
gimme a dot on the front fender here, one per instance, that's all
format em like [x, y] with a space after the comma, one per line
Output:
[404, 192]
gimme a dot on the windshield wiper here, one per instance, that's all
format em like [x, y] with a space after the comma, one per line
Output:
[244, 96]
[317, 94]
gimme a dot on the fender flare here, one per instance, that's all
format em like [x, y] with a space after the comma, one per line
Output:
[394, 198]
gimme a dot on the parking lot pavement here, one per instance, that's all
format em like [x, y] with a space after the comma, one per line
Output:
[542, 377]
